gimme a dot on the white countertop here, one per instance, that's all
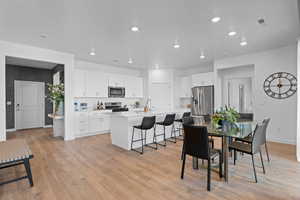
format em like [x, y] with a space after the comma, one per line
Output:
[133, 114]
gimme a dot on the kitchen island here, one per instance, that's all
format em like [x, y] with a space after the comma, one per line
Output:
[122, 126]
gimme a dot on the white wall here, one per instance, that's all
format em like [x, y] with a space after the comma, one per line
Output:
[298, 100]
[34, 53]
[282, 112]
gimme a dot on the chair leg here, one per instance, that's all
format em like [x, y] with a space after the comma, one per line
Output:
[208, 174]
[142, 139]
[262, 162]
[254, 168]
[132, 137]
[28, 171]
[183, 166]
[165, 136]
[234, 156]
[220, 165]
[267, 152]
[182, 151]
[154, 137]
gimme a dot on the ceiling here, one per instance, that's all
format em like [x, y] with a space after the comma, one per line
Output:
[29, 63]
[76, 26]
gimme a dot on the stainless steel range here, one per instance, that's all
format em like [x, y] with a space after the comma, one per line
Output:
[115, 106]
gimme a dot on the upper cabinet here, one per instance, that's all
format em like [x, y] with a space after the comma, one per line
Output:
[134, 87]
[186, 85]
[203, 79]
[79, 83]
[96, 84]
[116, 80]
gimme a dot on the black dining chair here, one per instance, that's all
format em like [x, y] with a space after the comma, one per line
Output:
[180, 121]
[147, 124]
[168, 121]
[190, 121]
[251, 148]
[196, 144]
[249, 138]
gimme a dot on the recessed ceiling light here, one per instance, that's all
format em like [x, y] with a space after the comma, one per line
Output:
[232, 33]
[243, 42]
[135, 29]
[130, 61]
[43, 36]
[215, 19]
[176, 46]
[92, 53]
[202, 56]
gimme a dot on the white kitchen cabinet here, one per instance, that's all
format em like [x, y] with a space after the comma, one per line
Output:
[186, 85]
[81, 124]
[91, 123]
[203, 79]
[79, 83]
[134, 87]
[116, 80]
[96, 84]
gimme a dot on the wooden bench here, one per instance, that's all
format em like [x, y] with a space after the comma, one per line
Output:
[16, 152]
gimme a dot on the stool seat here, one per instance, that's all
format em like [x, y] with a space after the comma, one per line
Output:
[178, 120]
[138, 127]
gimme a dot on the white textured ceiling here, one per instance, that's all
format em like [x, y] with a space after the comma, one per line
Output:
[76, 26]
[29, 63]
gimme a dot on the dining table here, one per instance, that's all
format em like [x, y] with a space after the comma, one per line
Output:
[227, 131]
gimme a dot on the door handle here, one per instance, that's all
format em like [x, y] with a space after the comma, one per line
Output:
[18, 107]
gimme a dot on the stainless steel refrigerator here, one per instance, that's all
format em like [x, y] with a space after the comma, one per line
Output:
[202, 100]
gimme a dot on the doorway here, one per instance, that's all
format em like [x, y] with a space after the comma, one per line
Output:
[29, 104]
[29, 94]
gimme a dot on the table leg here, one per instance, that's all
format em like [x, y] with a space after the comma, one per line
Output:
[225, 156]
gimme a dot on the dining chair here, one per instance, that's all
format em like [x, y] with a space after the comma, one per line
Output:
[251, 148]
[249, 138]
[196, 144]
[189, 121]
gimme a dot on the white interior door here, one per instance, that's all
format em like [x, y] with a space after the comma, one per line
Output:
[29, 104]
[161, 96]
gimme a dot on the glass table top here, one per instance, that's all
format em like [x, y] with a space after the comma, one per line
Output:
[236, 130]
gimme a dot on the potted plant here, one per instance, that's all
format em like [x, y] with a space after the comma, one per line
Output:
[226, 114]
[56, 95]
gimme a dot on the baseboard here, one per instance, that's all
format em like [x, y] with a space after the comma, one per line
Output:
[48, 126]
[11, 130]
[92, 134]
[282, 140]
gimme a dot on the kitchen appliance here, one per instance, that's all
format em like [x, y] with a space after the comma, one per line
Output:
[117, 92]
[203, 101]
[115, 106]
[83, 106]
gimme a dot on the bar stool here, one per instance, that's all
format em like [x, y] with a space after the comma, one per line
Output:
[180, 128]
[168, 121]
[147, 124]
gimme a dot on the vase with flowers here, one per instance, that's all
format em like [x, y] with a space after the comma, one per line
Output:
[225, 115]
[56, 95]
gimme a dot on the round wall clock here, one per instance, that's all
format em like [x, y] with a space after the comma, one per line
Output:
[280, 85]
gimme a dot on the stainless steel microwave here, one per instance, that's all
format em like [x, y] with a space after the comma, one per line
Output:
[118, 92]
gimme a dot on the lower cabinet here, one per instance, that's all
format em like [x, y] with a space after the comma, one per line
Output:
[91, 123]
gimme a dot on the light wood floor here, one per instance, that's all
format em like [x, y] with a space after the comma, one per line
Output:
[91, 168]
